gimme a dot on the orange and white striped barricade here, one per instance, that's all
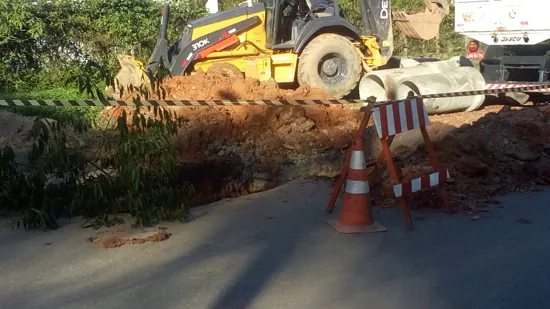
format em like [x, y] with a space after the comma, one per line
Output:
[397, 117]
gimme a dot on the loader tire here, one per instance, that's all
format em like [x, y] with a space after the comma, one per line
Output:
[331, 63]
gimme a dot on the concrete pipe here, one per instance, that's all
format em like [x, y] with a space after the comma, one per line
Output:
[381, 84]
[458, 79]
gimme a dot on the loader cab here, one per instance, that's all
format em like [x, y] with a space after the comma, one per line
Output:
[285, 19]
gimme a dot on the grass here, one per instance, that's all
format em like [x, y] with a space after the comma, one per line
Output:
[80, 118]
[49, 94]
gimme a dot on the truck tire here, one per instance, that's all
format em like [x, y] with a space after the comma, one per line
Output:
[331, 63]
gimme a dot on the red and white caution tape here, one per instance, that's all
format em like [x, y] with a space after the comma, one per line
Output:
[532, 88]
[493, 86]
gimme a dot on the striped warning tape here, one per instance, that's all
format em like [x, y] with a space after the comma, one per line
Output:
[487, 91]
[172, 102]
[493, 86]
[251, 102]
[496, 90]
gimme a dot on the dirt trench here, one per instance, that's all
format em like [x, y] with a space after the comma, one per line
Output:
[492, 151]
[229, 151]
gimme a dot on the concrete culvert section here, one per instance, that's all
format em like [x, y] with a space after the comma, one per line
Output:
[382, 84]
[459, 79]
[374, 85]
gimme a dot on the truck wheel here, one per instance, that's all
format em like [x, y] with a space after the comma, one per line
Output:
[331, 63]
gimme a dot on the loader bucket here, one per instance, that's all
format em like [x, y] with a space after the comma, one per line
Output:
[424, 25]
[132, 72]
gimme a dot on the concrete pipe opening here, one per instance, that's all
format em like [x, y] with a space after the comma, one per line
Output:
[383, 84]
[459, 79]
[372, 85]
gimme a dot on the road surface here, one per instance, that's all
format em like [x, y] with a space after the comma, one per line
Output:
[275, 250]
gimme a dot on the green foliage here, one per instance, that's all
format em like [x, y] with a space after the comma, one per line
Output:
[181, 12]
[19, 30]
[37, 189]
[134, 173]
[447, 45]
[50, 41]
[227, 4]
[54, 93]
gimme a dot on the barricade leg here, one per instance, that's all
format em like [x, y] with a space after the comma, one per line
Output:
[395, 180]
[435, 165]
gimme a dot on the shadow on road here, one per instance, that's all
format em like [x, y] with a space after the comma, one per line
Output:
[274, 250]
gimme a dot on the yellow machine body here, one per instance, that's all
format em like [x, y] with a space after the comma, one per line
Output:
[249, 52]
[252, 57]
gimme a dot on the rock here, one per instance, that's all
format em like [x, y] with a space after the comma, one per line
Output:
[289, 147]
[530, 113]
[303, 125]
[465, 126]
[471, 144]
[523, 154]
[500, 157]
[530, 168]
[471, 166]
[524, 221]
[258, 185]
[540, 168]
[289, 115]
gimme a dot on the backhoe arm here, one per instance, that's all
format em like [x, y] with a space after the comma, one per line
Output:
[377, 17]
[424, 25]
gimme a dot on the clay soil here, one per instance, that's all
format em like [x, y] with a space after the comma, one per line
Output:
[119, 236]
[498, 150]
[495, 150]
[236, 150]
[229, 151]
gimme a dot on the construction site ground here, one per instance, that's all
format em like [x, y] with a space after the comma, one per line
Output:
[235, 150]
[274, 250]
[230, 151]
[268, 245]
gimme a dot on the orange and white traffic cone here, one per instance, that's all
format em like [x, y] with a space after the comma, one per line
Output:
[356, 215]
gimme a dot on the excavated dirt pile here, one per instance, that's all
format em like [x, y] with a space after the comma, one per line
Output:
[231, 151]
[227, 151]
[122, 236]
[235, 150]
[506, 150]
[217, 85]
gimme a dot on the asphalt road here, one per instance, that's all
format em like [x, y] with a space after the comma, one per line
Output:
[275, 250]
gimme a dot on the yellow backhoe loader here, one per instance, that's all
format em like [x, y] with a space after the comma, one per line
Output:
[289, 41]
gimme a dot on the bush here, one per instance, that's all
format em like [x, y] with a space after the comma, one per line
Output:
[134, 171]
[44, 43]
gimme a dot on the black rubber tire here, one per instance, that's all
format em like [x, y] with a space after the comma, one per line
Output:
[347, 59]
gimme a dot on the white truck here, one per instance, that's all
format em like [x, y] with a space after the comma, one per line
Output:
[517, 33]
